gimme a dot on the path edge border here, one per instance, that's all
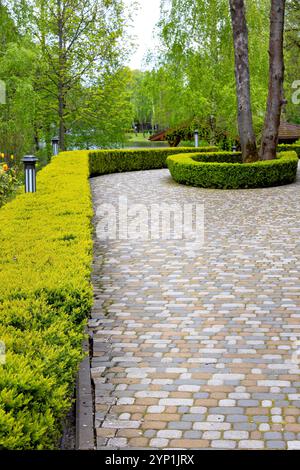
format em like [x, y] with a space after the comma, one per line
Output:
[85, 439]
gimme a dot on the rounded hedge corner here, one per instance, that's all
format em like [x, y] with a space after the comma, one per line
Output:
[225, 170]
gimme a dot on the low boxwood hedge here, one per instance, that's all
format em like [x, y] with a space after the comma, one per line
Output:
[289, 148]
[224, 170]
[45, 298]
[114, 161]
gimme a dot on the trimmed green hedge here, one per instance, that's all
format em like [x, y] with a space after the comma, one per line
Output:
[45, 298]
[289, 148]
[103, 162]
[218, 157]
[218, 170]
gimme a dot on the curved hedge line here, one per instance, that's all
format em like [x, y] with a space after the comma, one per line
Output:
[289, 147]
[103, 162]
[224, 170]
[45, 297]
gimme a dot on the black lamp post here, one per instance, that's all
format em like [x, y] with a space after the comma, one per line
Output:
[196, 135]
[30, 173]
[55, 145]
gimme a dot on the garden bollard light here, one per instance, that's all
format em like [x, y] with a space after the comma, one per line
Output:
[30, 173]
[55, 145]
[234, 148]
[196, 135]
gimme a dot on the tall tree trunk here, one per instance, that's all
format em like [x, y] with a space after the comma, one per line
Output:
[242, 76]
[61, 78]
[276, 77]
[61, 116]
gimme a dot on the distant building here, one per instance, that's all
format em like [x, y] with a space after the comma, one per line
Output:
[288, 134]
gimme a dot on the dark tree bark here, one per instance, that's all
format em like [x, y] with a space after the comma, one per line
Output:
[242, 76]
[276, 77]
[61, 78]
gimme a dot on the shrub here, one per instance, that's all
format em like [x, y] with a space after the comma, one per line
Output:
[45, 297]
[221, 170]
[9, 180]
[289, 147]
[114, 161]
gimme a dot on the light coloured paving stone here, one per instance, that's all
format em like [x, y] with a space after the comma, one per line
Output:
[210, 435]
[264, 427]
[216, 418]
[236, 435]
[162, 381]
[294, 396]
[189, 388]
[169, 434]
[251, 444]
[150, 394]
[277, 419]
[267, 403]
[276, 445]
[230, 377]
[176, 402]
[156, 409]
[223, 444]
[227, 402]
[293, 445]
[273, 383]
[121, 424]
[159, 442]
[118, 442]
[211, 426]
[125, 401]
[198, 409]
[175, 370]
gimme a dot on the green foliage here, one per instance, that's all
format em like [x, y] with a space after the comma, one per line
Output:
[74, 77]
[141, 92]
[290, 147]
[45, 296]
[292, 53]
[105, 112]
[224, 170]
[194, 73]
[17, 70]
[10, 178]
[114, 161]
[8, 31]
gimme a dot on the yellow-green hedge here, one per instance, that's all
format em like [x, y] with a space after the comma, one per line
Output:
[289, 148]
[45, 296]
[46, 293]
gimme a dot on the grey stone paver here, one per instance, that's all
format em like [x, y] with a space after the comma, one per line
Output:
[195, 352]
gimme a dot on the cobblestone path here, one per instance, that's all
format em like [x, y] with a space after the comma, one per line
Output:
[199, 352]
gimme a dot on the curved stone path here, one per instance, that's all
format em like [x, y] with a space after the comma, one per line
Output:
[199, 352]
